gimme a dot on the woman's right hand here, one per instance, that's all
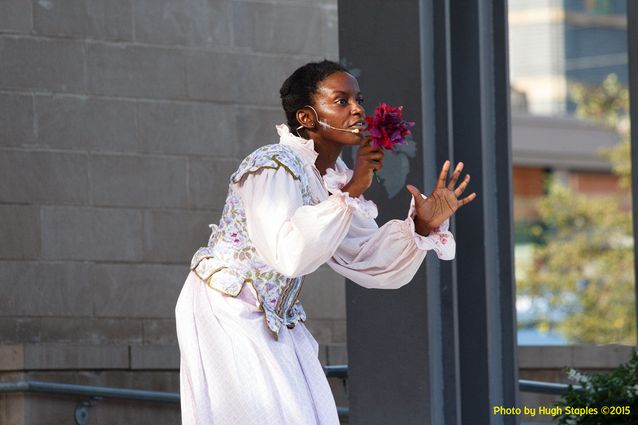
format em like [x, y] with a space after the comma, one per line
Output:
[369, 159]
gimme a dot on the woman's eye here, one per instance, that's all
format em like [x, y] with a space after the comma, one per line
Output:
[361, 100]
[342, 102]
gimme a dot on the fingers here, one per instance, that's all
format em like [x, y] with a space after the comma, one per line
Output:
[455, 176]
[459, 190]
[440, 184]
[454, 179]
[365, 142]
[469, 198]
[415, 192]
[371, 156]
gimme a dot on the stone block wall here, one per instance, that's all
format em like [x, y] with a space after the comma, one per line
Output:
[120, 123]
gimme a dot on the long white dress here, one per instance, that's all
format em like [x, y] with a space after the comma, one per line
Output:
[233, 371]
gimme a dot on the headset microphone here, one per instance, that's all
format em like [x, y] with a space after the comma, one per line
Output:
[354, 130]
[325, 124]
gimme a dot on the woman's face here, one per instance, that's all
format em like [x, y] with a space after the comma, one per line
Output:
[338, 102]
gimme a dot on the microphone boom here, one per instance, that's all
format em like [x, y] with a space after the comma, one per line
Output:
[354, 130]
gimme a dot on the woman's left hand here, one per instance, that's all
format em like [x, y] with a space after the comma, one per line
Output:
[442, 203]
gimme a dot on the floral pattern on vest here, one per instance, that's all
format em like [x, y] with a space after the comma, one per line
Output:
[230, 260]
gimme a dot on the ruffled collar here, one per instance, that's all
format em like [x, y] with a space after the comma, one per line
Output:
[304, 147]
[335, 178]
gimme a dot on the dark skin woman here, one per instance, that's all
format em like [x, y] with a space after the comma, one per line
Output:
[246, 355]
[338, 102]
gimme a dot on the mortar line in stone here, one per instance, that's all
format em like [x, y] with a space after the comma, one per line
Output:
[282, 3]
[177, 100]
[12, 32]
[36, 129]
[265, 107]
[231, 24]
[133, 29]
[97, 96]
[32, 17]
[139, 155]
[90, 180]
[44, 205]
[138, 139]
[143, 233]
[188, 182]
[143, 322]
[85, 66]
[76, 261]
[41, 235]
[231, 50]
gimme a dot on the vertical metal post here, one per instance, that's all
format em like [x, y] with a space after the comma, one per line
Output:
[388, 345]
[632, 50]
[442, 349]
[480, 87]
[436, 92]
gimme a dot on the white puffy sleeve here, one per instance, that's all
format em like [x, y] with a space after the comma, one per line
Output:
[294, 239]
[388, 257]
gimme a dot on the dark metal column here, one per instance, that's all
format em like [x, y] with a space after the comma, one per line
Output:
[436, 93]
[389, 373]
[434, 352]
[487, 332]
[632, 47]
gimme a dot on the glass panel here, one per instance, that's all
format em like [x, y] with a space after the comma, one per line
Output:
[572, 206]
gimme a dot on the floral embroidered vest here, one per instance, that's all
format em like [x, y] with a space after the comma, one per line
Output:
[230, 260]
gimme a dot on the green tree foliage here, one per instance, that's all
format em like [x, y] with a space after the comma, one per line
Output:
[608, 105]
[613, 395]
[582, 270]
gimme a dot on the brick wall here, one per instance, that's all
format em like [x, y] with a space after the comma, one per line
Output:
[120, 123]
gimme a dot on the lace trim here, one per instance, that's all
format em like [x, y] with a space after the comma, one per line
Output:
[256, 167]
[336, 180]
[439, 240]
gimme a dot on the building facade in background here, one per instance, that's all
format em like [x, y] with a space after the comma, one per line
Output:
[554, 44]
[120, 124]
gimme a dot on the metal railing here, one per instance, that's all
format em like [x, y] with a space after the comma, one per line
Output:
[95, 393]
[92, 394]
[540, 387]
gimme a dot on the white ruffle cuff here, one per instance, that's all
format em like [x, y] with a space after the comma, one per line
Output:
[336, 180]
[440, 240]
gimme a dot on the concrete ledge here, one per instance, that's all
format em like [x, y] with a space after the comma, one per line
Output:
[55, 356]
[51, 357]
[11, 357]
[149, 357]
[63, 356]
[576, 356]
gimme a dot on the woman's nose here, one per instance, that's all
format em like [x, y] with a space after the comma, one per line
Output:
[357, 109]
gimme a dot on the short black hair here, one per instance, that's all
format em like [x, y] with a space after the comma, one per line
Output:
[297, 90]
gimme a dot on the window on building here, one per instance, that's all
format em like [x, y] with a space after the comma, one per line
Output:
[570, 148]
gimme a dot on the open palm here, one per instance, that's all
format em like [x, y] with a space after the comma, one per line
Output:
[443, 202]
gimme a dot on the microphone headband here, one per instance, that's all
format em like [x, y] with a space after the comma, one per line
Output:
[325, 124]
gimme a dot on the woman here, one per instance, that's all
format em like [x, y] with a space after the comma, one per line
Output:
[246, 356]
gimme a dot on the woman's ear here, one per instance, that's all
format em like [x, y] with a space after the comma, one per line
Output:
[305, 118]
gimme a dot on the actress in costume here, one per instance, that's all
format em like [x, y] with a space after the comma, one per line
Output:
[246, 356]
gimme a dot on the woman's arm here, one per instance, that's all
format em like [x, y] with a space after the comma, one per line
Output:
[388, 257]
[294, 239]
